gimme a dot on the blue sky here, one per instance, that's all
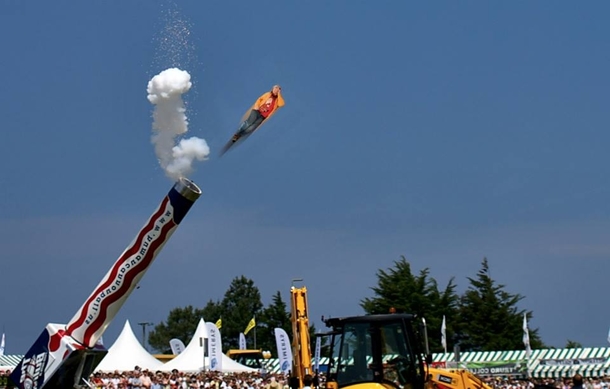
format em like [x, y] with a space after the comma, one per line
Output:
[445, 132]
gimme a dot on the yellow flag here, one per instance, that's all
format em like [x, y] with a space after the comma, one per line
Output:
[251, 325]
[219, 323]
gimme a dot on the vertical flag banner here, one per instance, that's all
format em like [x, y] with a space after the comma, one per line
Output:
[444, 335]
[284, 351]
[526, 337]
[214, 347]
[242, 341]
[176, 345]
[2, 343]
[316, 366]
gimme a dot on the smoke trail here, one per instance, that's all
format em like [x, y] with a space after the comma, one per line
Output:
[165, 92]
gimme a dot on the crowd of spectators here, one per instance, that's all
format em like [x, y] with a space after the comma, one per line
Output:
[575, 382]
[145, 379]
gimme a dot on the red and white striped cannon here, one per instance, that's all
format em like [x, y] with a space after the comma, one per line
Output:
[65, 355]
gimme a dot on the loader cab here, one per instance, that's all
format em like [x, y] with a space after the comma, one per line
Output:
[376, 349]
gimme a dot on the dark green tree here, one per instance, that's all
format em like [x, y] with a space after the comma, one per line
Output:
[212, 311]
[241, 302]
[398, 288]
[273, 316]
[181, 324]
[442, 303]
[489, 318]
[573, 344]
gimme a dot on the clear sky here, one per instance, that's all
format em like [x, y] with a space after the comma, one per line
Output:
[445, 132]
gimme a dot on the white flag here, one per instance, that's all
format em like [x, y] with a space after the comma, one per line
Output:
[444, 335]
[176, 345]
[526, 337]
[214, 347]
[284, 351]
[242, 341]
[316, 365]
[609, 336]
[2, 345]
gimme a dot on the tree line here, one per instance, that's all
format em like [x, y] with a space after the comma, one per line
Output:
[486, 317]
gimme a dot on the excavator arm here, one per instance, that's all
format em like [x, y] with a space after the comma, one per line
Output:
[301, 346]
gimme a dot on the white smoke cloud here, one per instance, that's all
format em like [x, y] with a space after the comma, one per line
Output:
[165, 92]
[183, 155]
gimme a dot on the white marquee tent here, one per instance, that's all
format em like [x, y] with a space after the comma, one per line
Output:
[192, 360]
[126, 353]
